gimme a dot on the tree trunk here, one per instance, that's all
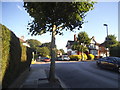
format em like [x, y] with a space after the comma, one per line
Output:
[52, 65]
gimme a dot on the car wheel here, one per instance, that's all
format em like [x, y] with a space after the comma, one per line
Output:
[98, 63]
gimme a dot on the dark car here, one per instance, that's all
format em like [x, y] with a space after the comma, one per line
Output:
[109, 63]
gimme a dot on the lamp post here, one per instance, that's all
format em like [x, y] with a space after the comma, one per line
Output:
[107, 36]
[106, 28]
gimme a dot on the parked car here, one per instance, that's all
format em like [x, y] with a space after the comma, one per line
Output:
[59, 58]
[109, 62]
[46, 59]
[63, 57]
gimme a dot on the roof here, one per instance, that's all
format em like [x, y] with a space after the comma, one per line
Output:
[70, 43]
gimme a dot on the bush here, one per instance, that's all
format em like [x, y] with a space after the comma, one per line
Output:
[75, 57]
[78, 57]
[115, 51]
[91, 57]
[85, 56]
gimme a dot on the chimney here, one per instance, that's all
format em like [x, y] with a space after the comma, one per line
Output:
[22, 37]
[75, 38]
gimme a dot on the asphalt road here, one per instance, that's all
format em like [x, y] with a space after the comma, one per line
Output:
[85, 75]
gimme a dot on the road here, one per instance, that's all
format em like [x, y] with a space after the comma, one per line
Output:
[85, 75]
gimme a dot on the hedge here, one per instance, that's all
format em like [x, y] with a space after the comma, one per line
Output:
[91, 57]
[16, 58]
[115, 51]
[78, 57]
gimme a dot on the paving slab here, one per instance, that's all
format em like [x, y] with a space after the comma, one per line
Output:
[38, 78]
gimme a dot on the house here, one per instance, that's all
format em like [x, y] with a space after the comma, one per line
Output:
[97, 49]
[23, 41]
[69, 46]
[94, 48]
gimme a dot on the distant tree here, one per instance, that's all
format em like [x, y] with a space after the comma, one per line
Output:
[48, 44]
[111, 41]
[55, 17]
[33, 43]
[118, 44]
[83, 38]
[63, 52]
[43, 51]
[82, 41]
[79, 48]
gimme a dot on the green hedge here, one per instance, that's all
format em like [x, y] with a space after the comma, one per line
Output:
[115, 51]
[78, 57]
[16, 58]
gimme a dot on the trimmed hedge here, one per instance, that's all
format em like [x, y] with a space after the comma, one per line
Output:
[78, 57]
[75, 57]
[16, 58]
[115, 51]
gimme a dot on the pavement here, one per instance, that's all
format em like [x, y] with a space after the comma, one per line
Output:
[38, 78]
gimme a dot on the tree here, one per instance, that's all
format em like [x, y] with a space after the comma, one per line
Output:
[33, 43]
[83, 38]
[81, 43]
[47, 45]
[111, 41]
[54, 17]
[43, 51]
[79, 48]
[63, 52]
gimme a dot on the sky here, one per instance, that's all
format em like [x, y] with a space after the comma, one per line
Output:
[16, 19]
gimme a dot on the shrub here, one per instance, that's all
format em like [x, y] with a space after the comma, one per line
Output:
[115, 51]
[91, 56]
[85, 56]
[75, 57]
[78, 57]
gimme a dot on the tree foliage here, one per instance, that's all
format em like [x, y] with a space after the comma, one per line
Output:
[47, 44]
[111, 41]
[33, 43]
[83, 38]
[43, 51]
[65, 15]
[79, 48]
[82, 41]
[63, 52]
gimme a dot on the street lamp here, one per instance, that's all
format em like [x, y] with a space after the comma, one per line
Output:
[106, 28]
[107, 36]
